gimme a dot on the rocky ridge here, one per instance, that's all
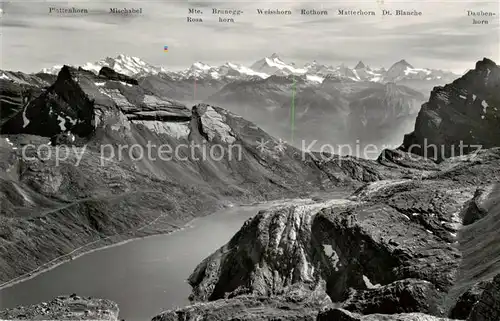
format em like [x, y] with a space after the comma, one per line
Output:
[70, 307]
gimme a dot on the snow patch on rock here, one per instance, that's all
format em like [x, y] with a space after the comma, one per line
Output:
[62, 123]
[125, 84]
[485, 106]
[8, 141]
[314, 78]
[26, 121]
[369, 284]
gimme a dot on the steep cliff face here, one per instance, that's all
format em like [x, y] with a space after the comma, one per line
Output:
[16, 91]
[488, 307]
[271, 252]
[463, 115]
[64, 105]
[79, 102]
[479, 242]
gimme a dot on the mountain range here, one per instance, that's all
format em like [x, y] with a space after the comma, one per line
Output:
[266, 67]
[331, 105]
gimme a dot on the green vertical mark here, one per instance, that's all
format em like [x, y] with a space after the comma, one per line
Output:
[292, 111]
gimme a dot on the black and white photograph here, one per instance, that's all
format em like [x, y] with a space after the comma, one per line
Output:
[194, 160]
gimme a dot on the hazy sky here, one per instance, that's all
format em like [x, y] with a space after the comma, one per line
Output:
[443, 37]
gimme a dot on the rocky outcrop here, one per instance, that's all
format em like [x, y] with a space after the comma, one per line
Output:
[64, 106]
[79, 102]
[298, 305]
[460, 117]
[488, 307]
[71, 307]
[467, 300]
[397, 70]
[343, 315]
[407, 295]
[271, 252]
[477, 208]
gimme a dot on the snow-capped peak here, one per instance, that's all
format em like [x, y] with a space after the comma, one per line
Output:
[244, 70]
[201, 66]
[52, 70]
[274, 56]
[274, 65]
[123, 64]
[274, 61]
[402, 70]
[360, 65]
[310, 65]
[409, 70]
[264, 68]
[402, 64]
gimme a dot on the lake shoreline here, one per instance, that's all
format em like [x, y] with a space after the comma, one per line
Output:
[94, 246]
[61, 261]
[122, 239]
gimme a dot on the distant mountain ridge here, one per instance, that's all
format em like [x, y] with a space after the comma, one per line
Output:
[124, 64]
[464, 113]
[266, 67]
[331, 102]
